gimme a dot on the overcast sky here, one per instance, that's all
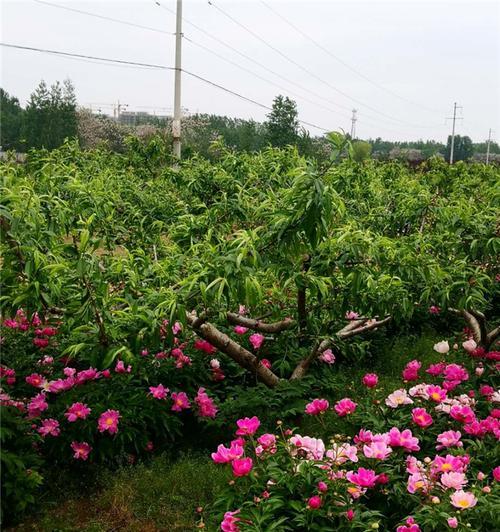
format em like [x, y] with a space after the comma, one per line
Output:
[402, 62]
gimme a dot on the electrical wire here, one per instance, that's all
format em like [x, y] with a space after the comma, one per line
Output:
[153, 66]
[341, 61]
[103, 17]
[306, 70]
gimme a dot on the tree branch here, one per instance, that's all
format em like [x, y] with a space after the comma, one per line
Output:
[258, 325]
[367, 325]
[471, 322]
[491, 337]
[303, 366]
[239, 354]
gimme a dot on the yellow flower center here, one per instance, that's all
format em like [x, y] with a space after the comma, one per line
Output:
[463, 503]
[446, 467]
[435, 396]
[109, 421]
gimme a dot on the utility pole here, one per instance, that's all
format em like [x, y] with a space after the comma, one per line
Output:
[176, 123]
[353, 124]
[488, 148]
[454, 118]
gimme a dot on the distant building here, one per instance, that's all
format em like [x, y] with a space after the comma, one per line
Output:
[138, 118]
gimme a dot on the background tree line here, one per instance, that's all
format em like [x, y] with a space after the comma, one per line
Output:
[51, 115]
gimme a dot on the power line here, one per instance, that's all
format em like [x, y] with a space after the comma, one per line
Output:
[306, 70]
[340, 60]
[153, 66]
[103, 17]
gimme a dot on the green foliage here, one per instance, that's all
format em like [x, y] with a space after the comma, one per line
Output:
[11, 120]
[20, 464]
[361, 150]
[462, 149]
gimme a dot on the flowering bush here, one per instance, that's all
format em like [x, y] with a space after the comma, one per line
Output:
[419, 458]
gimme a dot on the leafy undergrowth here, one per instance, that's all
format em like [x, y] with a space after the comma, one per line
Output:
[160, 495]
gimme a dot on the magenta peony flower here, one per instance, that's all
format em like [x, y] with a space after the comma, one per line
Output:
[421, 417]
[463, 499]
[370, 380]
[158, 392]
[120, 367]
[247, 426]
[229, 523]
[49, 427]
[266, 363]
[256, 340]
[77, 411]
[364, 478]
[225, 455]
[322, 486]
[409, 526]
[410, 373]
[345, 406]
[317, 406]
[351, 315]
[37, 405]
[436, 393]
[242, 466]
[206, 347]
[108, 421]
[403, 439]
[81, 450]
[462, 413]
[268, 442]
[239, 329]
[452, 522]
[314, 502]
[434, 309]
[206, 406]
[435, 369]
[496, 473]
[181, 401]
[448, 463]
[35, 380]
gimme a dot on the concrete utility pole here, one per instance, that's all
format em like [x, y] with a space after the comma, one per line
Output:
[176, 123]
[488, 148]
[353, 124]
[454, 118]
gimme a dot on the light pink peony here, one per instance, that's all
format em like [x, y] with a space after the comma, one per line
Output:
[463, 499]
[453, 480]
[442, 347]
[225, 455]
[327, 357]
[449, 438]
[398, 398]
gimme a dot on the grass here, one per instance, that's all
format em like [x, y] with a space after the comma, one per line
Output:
[160, 495]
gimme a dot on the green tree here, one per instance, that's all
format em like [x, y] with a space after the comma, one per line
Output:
[361, 150]
[50, 115]
[463, 148]
[11, 116]
[283, 123]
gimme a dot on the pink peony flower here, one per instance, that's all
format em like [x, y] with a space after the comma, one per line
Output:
[469, 345]
[181, 401]
[225, 455]
[229, 523]
[351, 315]
[69, 372]
[350, 514]
[398, 398]
[496, 473]
[37, 405]
[77, 411]
[327, 356]
[158, 392]
[436, 393]
[370, 380]
[442, 347]
[486, 391]
[378, 450]
[345, 406]
[314, 502]
[256, 340]
[81, 450]
[268, 442]
[322, 486]
[363, 436]
[452, 522]
[364, 478]
[247, 426]
[108, 421]
[242, 466]
[340, 453]
[453, 480]
[450, 438]
[214, 364]
[49, 427]
[421, 417]
[240, 329]
[463, 499]
[120, 367]
[455, 372]
[314, 448]
[266, 363]
[318, 406]
[206, 406]
[435, 369]
[403, 439]
[41, 342]
[448, 463]
[434, 309]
